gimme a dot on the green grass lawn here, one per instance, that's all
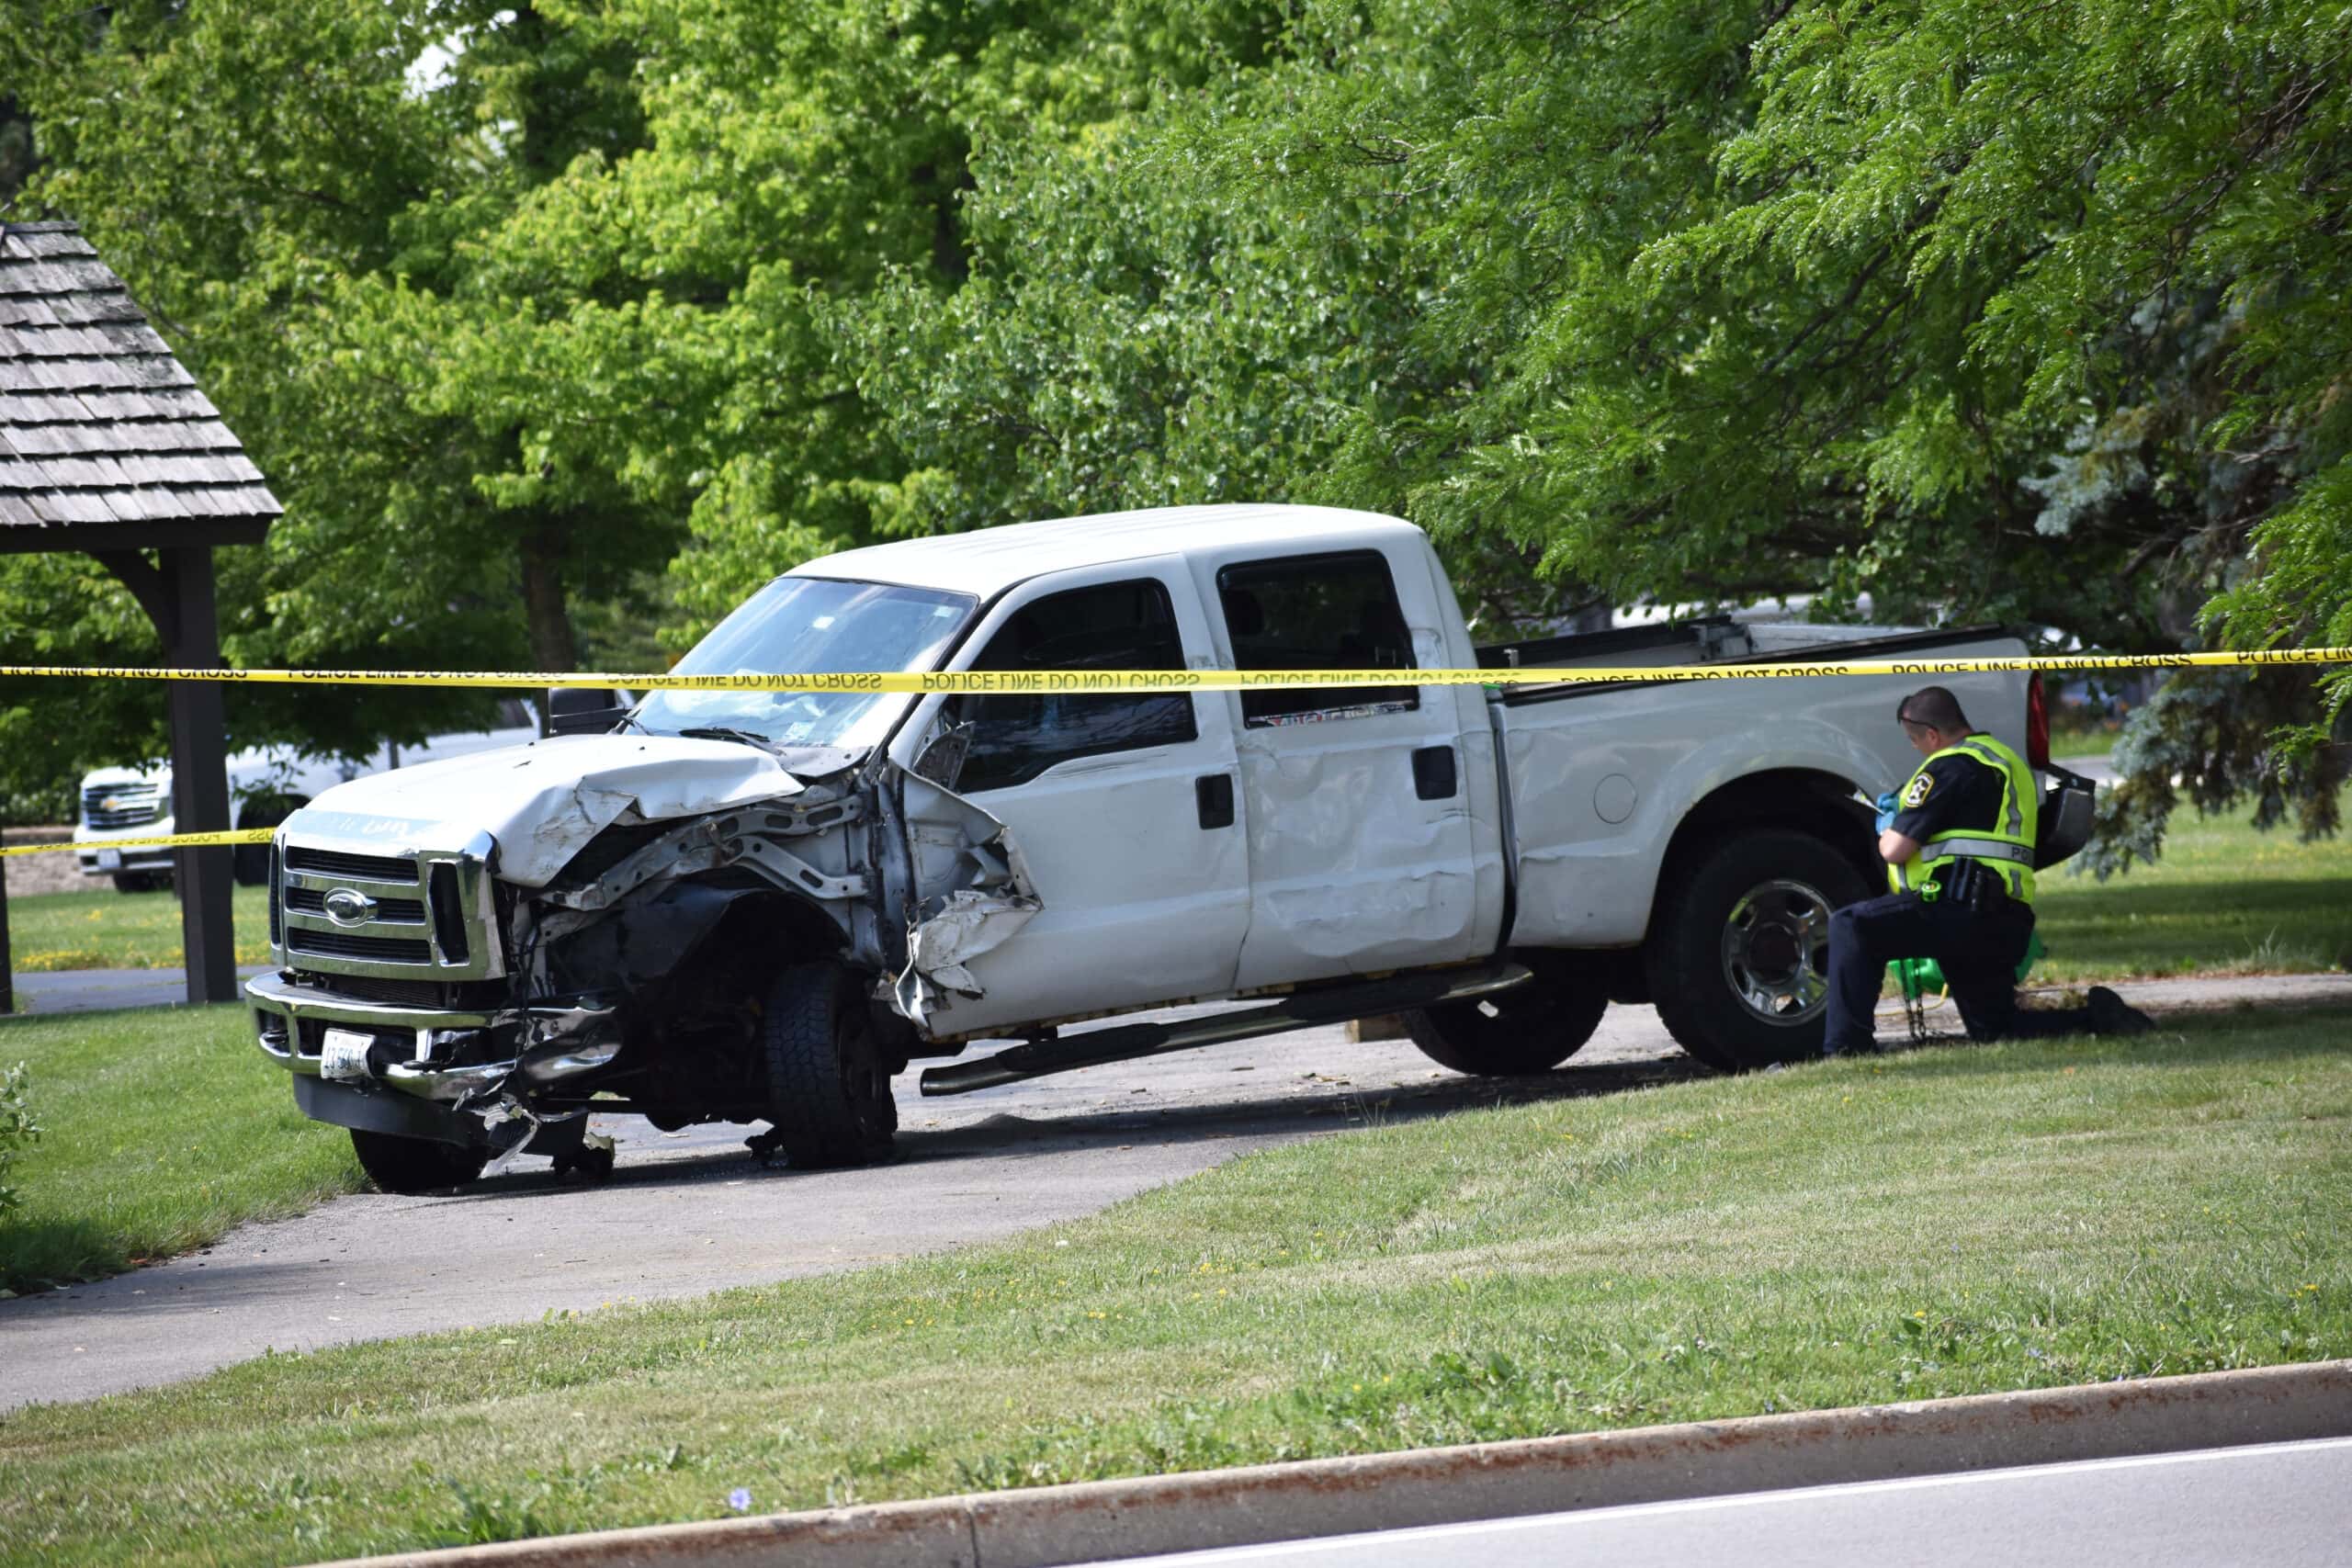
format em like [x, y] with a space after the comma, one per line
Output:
[162, 1128]
[1938, 1223]
[2224, 900]
[108, 930]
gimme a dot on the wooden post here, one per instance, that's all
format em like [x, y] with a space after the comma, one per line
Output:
[200, 779]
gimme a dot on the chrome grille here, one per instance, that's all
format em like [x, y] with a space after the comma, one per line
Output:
[335, 863]
[122, 806]
[426, 916]
[389, 911]
[375, 949]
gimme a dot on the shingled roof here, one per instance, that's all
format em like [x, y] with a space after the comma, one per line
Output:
[105, 440]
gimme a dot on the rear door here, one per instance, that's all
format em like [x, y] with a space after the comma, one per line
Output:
[1124, 807]
[1360, 837]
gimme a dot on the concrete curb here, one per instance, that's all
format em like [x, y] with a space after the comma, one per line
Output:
[1053, 1526]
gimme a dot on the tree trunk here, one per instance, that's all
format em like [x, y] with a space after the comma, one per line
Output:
[553, 652]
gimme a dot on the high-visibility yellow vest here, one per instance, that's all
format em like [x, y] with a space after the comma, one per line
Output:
[2007, 846]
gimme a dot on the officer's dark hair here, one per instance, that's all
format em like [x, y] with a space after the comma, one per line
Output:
[1933, 707]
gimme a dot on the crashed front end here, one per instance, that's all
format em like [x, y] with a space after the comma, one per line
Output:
[395, 1002]
[600, 924]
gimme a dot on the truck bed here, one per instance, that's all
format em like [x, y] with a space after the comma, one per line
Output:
[1598, 775]
[1717, 639]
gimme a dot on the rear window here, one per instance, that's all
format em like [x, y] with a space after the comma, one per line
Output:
[1331, 612]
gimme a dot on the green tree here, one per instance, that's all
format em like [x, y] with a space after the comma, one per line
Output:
[16, 148]
[300, 201]
[795, 163]
[2032, 316]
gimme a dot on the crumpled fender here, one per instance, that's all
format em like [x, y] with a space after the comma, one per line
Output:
[970, 875]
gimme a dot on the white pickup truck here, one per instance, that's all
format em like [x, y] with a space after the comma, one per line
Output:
[764, 906]
[266, 784]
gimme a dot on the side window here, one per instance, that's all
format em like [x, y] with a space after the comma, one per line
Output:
[1335, 611]
[1117, 626]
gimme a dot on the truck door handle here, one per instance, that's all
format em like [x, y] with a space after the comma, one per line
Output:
[1433, 776]
[1213, 792]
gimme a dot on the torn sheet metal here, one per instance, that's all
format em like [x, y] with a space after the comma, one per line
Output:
[544, 801]
[937, 948]
[971, 875]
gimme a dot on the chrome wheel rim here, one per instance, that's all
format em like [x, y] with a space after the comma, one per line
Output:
[1776, 951]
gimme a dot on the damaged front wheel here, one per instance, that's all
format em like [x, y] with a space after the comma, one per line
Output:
[829, 1089]
[415, 1165]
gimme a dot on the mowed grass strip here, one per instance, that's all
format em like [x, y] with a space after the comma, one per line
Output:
[1945, 1222]
[2223, 900]
[107, 930]
[162, 1128]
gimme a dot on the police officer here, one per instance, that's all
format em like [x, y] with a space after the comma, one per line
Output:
[1958, 842]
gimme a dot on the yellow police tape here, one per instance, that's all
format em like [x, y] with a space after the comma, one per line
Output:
[1105, 681]
[1110, 681]
[174, 840]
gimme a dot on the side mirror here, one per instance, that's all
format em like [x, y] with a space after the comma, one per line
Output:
[2065, 823]
[585, 710]
[942, 757]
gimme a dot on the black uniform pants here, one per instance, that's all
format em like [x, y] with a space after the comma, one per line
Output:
[1979, 954]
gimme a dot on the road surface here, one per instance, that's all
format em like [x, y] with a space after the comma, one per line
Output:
[2280, 1505]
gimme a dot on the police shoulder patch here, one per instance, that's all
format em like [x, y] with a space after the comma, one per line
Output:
[1915, 794]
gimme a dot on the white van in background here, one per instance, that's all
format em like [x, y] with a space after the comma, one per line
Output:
[266, 786]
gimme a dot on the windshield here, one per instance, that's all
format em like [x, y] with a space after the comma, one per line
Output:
[798, 626]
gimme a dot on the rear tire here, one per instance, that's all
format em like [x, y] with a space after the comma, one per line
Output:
[1529, 1029]
[829, 1087]
[409, 1166]
[1739, 947]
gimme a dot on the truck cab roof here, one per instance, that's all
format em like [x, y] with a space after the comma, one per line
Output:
[992, 559]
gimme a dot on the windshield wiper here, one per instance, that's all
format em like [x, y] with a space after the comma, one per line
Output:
[721, 732]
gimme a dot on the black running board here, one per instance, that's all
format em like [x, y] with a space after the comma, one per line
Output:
[1125, 1043]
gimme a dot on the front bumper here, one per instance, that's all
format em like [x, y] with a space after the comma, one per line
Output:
[91, 843]
[446, 1056]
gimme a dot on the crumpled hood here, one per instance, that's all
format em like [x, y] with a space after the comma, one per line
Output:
[545, 800]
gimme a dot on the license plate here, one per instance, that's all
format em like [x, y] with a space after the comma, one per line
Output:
[110, 860]
[343, 1053]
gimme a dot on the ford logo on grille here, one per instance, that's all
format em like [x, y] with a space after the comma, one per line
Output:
[349, 907]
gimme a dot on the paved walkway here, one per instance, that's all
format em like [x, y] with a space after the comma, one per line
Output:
[95, 990]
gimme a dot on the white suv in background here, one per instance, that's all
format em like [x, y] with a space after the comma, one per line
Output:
[266, 786]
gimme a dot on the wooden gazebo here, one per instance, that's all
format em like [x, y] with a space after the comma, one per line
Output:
[107, 447]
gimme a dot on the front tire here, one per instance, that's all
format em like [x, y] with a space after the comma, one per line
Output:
[409, 1166]
[1529, 1029]
[829, 1088]
[1739, 947]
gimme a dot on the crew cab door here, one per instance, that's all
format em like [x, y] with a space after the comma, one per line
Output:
[1124, 808]
[1362, 841]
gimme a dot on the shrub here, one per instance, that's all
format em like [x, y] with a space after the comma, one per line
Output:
[17, 1128]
